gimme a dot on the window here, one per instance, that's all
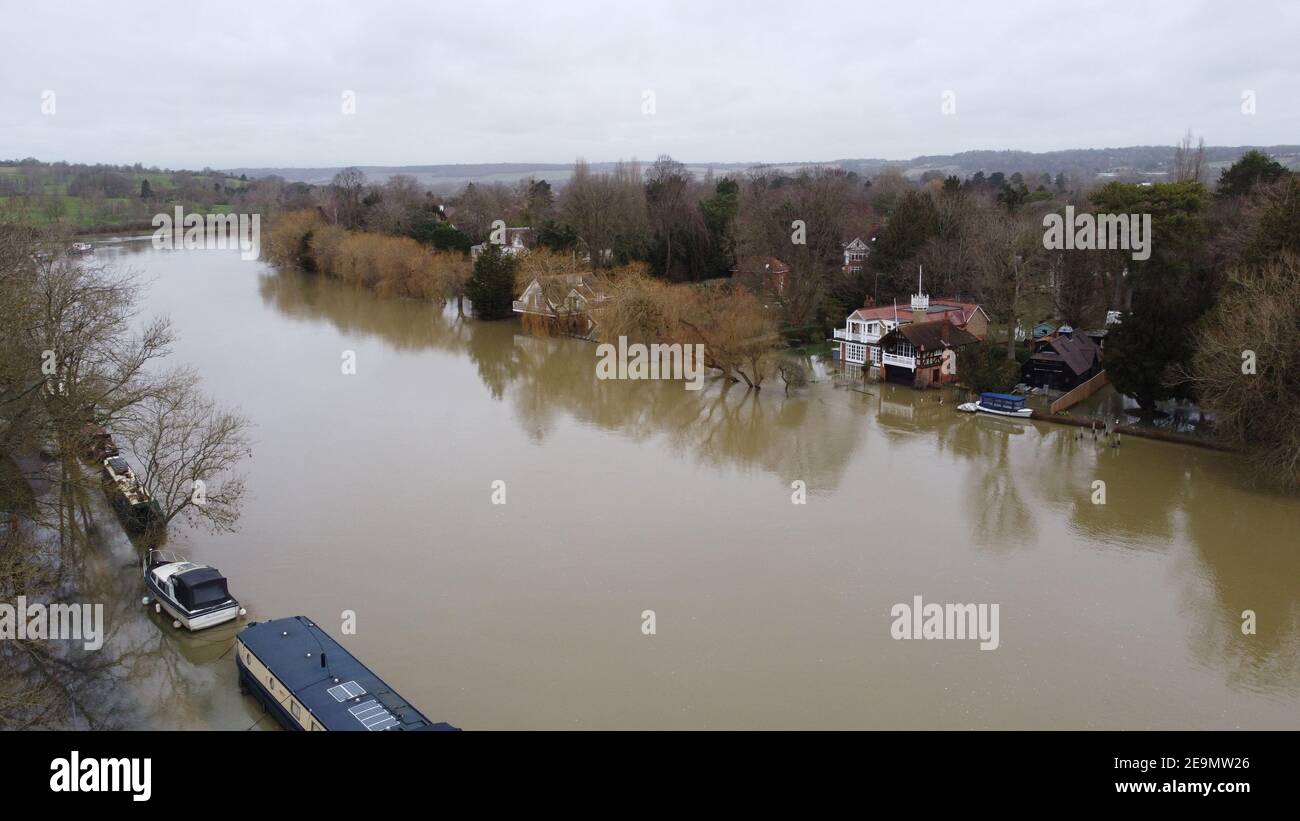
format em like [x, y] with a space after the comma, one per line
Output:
[875, 354]
[293, 708]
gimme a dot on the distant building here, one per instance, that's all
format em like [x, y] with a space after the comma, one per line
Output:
[762, 274]
[516, 241]
[856, 252]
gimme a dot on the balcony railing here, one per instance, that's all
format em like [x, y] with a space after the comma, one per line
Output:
[908, 362]
[856, 336]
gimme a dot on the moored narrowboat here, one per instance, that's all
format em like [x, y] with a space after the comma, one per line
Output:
[140, 511]
[308, 681]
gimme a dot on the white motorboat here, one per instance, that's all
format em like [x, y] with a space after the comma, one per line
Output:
[195, 595]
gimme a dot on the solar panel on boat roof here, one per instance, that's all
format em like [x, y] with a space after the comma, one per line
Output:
[346, 690]
[373, 716]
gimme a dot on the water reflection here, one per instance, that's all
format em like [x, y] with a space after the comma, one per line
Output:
[550, 378]
[1011, 487]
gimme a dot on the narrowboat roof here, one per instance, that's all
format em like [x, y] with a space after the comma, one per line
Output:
[1005, 397]
[340, 692]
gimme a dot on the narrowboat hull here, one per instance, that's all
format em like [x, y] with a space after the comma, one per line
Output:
[250, 685]
[140, 517]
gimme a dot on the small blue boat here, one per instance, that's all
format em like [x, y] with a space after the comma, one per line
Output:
[1003, 404]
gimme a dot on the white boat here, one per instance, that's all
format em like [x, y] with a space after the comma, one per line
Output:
[82, 247]
[1003, 404]
[968, 407]
[195, 595]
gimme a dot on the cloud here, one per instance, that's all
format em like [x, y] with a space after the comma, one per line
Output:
[249, 84]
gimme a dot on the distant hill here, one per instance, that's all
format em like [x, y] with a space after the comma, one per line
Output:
[1133, 162]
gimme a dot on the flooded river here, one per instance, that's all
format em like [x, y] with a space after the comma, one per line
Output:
[372, 493]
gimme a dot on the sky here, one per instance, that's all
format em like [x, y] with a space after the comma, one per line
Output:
[286, 84]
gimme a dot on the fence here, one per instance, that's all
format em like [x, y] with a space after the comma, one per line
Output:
[1082, 392]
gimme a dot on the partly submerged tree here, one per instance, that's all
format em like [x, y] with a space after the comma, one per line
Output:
[1246, 365]
[491, 287]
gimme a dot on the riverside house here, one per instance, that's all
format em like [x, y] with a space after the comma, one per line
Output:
[913, 353]
[865, 329]
[1063, 360]
[561, 303]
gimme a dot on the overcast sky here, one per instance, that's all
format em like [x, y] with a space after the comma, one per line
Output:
[226, 84]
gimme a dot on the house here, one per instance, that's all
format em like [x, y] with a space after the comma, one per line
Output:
[855, 255]
[762, 274]
[514, 242]
[563, 302]
[1062, 361]
[1043, 329]
[864, 329]
[914, 352]
[859, 341]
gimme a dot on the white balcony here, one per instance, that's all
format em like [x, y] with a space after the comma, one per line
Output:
[908, 362]
[856, 336]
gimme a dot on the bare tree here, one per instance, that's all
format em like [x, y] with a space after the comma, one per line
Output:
[187, 450]
[607, 210]
[1010, 253]
[344, 201]
[1245, 362]
[1189, 162]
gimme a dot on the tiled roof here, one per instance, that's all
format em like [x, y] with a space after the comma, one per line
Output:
[934, 335]
[1078, 352]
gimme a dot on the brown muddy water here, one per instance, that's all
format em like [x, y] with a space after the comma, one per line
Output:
[372, 493]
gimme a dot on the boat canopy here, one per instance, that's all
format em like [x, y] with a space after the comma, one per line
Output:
[1002, 401]
[200, 587]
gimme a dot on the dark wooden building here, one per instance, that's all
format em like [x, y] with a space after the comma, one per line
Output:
[1062, 361]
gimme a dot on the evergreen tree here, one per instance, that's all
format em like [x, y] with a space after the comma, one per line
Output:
[491, 287]
[1170, 291]
[1253, 168]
